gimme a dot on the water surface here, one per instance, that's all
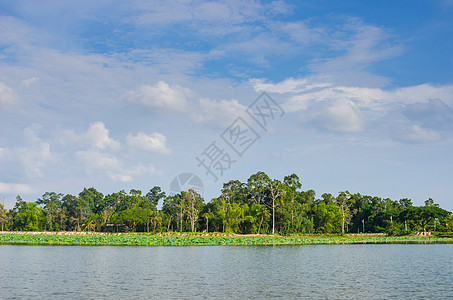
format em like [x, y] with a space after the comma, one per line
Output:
[303, 271]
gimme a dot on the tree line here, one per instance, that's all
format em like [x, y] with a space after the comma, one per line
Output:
[259, 206]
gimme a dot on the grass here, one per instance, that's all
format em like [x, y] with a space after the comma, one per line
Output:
[87, 239]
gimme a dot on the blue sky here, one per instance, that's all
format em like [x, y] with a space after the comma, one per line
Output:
[121, 95]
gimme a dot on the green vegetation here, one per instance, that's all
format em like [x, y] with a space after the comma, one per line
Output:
[259, 206]
[202, 240]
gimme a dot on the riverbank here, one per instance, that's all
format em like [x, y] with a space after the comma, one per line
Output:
[196, 239]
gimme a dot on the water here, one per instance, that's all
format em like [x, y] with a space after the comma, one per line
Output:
[307, 271]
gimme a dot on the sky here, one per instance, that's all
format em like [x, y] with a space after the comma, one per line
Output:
[120, 95]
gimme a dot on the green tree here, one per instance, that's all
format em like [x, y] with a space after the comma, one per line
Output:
[77, 210]
[194, 203]
[257, 186]
[343, 203]
[155, 195]
[94, 199]
[52, 207]
[422, 216]
[27, 217]
[3, 215]
[327, 218]
[292, 184]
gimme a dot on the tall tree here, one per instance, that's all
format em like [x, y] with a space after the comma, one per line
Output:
[3, 215]
[52, 206]
[276, 190]
[192, 201]
[292, 183]
[257, 186]
[155, 195]
[342, 202]
[93, 198]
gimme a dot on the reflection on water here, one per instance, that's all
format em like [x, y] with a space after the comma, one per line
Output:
[318, 271]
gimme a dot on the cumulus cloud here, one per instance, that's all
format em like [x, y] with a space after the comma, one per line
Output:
[154, 142]
[95, 160]
[37, 154]
[335, 116]
[220, 113]
[348, 109]
[15, 188]
[97, 136]
[161, 95]
[8, 97]
[129, 174]
[34, 158]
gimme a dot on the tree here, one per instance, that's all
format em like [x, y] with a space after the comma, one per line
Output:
[327, 218]
[207, 215]
[192, 199]
[155, 195]
[77, 210]
[264, 215]
[275, 190]
[292, 183]
[342, 202]
[52, 207]
[257, 186]
[423, 215]
[171, 208]
[430, 202]
[27, 217]
[94, 199]
[3, 215]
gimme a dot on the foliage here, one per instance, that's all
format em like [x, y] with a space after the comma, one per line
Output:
[260, 205]
[204, 240]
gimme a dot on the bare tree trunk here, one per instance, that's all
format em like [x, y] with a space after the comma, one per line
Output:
[342, 225]
[169, 222]
[261, 223]
[273, 216]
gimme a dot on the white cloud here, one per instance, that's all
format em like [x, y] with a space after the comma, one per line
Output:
[97, 136]
[34, 158]
[121, 177]
[161, 95]
[302, 33]
[220, 112]
[8, 97]
[95, 160]
[200, 12]
[15, 188]
[289, 85]
[342, 108]
[15, 34]
[340, 116]
[417, 134]
[29, 81]
[128, 175]
[36, 155]
[154, 142]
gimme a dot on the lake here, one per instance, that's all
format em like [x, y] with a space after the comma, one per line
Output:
[372, 271]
